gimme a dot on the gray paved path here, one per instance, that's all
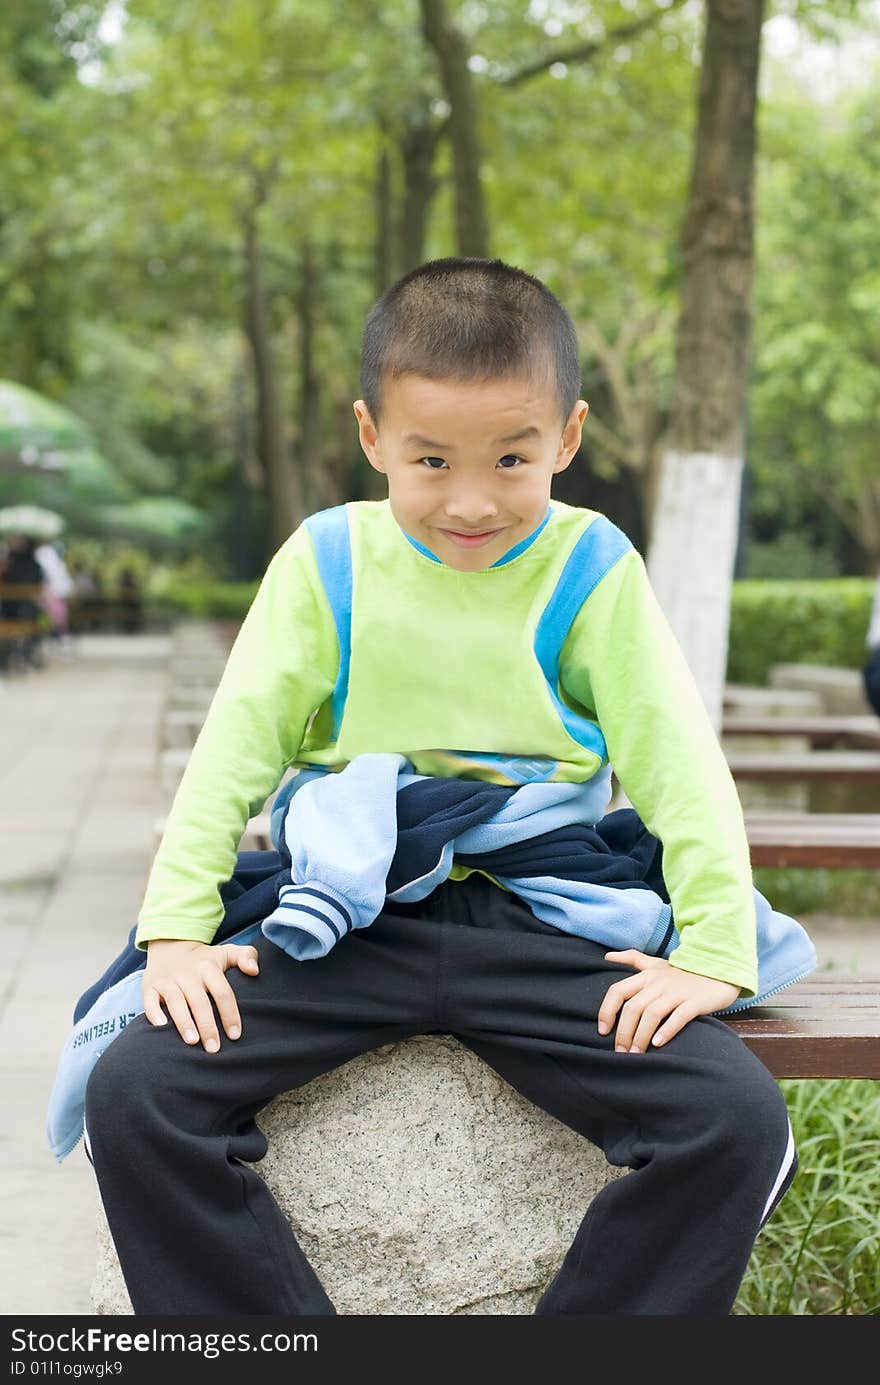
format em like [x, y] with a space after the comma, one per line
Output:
[79, 796]
[78, 799]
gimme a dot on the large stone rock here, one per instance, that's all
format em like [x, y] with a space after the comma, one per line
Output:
[417, 1182]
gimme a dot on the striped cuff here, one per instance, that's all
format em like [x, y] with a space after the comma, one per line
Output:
[308, 921]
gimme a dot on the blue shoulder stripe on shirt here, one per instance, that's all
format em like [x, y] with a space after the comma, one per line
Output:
[331, 540]
[595, 553]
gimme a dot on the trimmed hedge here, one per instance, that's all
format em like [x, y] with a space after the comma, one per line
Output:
[797, 623]
[203, 600]
[770, 622]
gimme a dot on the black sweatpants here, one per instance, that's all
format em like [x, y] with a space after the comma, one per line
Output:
[699, 1121]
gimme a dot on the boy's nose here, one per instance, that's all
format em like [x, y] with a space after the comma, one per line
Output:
[475, 517]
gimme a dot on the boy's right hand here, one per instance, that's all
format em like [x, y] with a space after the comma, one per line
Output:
[184, 975]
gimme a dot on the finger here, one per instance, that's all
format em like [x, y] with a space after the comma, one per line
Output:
[204, 1016]
[242, 956]
[152, 1006]
[227, 1005]
[629, 1020]
[614, 998]
[178, 1009]
[653, 1015]
[633, 958]
[674, 1023]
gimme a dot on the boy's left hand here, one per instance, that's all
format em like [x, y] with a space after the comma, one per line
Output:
[658, 995]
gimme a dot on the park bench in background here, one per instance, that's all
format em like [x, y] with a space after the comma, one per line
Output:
[810, 766]
[19, 633]
[832, 781]
[832, 841]
[809, 741]
[818, 731]
[841, 690]
[742, 699]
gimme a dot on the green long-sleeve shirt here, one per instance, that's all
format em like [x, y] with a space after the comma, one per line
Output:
[549, 664]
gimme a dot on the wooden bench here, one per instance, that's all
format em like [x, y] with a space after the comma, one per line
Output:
[12, 630]
[19, 633]
[819, 731]
[808, 766]
[840, 689]
[826, 1026]
[833, 841]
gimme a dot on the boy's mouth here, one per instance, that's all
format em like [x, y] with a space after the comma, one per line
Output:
[470, 539]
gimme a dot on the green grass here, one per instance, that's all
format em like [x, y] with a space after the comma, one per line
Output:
[819, 1254]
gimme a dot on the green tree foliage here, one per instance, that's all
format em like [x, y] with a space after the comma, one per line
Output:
[816, 395]
[128, 170]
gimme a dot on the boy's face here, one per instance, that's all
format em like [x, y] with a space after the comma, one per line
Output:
[459, 479]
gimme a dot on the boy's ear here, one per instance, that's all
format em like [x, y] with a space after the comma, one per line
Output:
[368, 435]
[571, 435]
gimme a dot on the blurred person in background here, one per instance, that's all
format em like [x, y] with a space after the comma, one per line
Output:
[56, 594]
[21, 568]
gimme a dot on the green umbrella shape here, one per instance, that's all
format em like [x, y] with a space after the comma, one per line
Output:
[32, 520]
[35, 432]
[153, 516]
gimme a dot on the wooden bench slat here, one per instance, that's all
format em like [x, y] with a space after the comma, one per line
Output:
[21, 591]
[817, 1028]
[804, 765]
[830, 840]
[831, 824]
[821, 731]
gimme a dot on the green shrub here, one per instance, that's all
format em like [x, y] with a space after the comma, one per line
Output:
[793, 556]
[203, 600]
[797, 622]
[849, 893]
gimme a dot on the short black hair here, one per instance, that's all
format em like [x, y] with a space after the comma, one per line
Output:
[463, 318]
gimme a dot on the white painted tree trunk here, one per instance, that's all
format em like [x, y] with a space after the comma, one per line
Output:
[691, 559]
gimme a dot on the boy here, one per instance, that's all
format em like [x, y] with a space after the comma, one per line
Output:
[493, 635]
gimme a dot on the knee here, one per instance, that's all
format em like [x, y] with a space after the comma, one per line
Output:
[749, 1121]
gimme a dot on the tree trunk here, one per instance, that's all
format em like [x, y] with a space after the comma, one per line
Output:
[445, 38]
[384, 251]
[248, 481]
[693, 544]
[284, 497]
[417, 147]
[310, 439]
